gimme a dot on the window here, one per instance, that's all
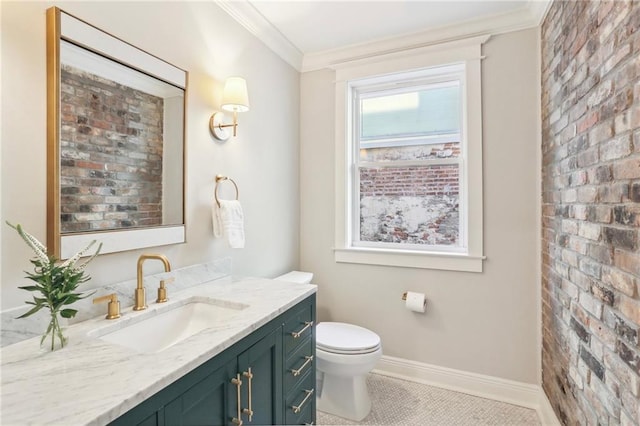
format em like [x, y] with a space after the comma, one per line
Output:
[409, 187]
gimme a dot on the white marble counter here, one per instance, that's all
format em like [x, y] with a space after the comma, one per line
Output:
[91, 382]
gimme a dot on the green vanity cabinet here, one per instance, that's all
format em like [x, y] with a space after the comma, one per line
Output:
[269, 374]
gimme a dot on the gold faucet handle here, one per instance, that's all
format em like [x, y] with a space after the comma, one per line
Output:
[162, 290]
[113, 307]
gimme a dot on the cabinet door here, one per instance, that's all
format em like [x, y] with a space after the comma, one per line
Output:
[210, 402]
[261, 370]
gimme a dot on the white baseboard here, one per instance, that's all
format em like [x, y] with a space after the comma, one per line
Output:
[545, 411]
[509, 391]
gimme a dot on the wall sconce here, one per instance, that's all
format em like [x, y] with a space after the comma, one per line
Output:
[234, 99]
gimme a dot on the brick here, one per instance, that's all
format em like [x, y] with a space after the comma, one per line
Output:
[580, 314]
[634, 194]
[619, 280]
[622, 122]
[627, 169]
[600, 174]
[580, 330]
[599, 213]
[590, 267]
[601, 132]
[588, 157]
[591, 305]
[614, 193]
[594, 365]
[603, 293]
[629, 356]
[628, 262]
[621, 237]
[626, 330]
[629, 403]
[580, 212]
[575, 376]
[587, 194]
[589, 230]
[603, 254]
[630, 308]
[622, 372]
[603, 333]
[627, 215]
[610, 402]
[616, 148]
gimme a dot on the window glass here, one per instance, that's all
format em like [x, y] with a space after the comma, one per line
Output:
[410, 205]
[407, 177]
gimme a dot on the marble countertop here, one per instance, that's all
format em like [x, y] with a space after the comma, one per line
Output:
[92, 382]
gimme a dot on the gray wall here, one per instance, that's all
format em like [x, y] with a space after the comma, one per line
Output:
[204, 40]
[486, 322]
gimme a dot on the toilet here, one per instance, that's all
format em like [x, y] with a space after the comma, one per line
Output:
[345, 354]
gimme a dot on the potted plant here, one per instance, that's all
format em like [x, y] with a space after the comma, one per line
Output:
[56, 284]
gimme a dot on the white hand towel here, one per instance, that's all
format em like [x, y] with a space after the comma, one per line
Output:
[228, 221]
[215, 218]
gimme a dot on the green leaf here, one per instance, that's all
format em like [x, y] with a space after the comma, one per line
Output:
[31, 311]
[30, 288]
[68, 313]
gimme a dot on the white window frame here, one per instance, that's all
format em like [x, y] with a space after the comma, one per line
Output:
[467, 52]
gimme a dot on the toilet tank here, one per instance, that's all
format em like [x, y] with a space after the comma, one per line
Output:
[296, 277]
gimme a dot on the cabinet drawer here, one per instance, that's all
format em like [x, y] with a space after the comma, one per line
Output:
[305, 417]
[297, 328]
[298, 364]
[300, 400]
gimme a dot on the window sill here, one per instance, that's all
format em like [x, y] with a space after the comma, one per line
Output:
[410, 259]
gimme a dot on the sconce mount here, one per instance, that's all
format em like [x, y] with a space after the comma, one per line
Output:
[219, 127]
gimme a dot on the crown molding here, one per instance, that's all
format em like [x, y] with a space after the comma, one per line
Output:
[512, 21]
[254, 22]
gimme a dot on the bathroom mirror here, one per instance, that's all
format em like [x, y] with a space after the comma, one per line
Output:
[115, 142]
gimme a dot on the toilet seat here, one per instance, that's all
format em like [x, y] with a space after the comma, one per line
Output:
[346, 339]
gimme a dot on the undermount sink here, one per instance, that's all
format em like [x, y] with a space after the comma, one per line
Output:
[159, 330]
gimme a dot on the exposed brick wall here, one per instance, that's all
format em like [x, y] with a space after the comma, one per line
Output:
[410, 181]
[111, 154]
[591, 211]
[413, 205]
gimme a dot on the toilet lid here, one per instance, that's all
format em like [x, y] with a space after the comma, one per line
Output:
[343, 338]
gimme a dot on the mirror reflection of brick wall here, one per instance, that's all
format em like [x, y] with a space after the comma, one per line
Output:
[111, 154]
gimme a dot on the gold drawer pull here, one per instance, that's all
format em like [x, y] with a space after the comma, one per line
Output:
[296, 408]
[297, 372]
[238, 383]
[297, 334]
[249, 411]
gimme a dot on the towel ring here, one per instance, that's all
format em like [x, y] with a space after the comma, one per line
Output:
[222, 178]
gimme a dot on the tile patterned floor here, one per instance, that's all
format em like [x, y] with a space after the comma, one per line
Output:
[400, 402]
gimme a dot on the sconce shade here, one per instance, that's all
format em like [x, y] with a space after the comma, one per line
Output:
[234, 96]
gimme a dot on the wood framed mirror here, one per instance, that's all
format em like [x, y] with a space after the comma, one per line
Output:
[115, 142]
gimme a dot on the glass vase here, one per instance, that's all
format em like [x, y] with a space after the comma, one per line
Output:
[54, 338]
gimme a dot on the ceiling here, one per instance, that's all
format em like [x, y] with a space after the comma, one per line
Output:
[313, 26]
[310, 34]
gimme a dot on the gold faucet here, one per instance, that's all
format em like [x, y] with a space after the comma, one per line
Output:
[140, 297]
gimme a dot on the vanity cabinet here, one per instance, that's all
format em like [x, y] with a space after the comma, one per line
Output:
[266, 378]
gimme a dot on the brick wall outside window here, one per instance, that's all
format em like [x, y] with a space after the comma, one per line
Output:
[410, 204]
[111, 154]
[591, 211]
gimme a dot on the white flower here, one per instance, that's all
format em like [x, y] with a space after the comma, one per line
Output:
[71, 262]
[39, 249]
